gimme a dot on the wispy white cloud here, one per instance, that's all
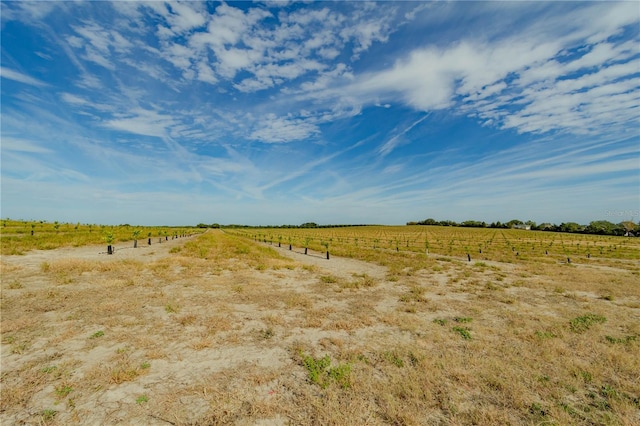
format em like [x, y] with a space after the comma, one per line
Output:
[9, 143]
[396, 140]
[272, 129]
[556, 176]
[20, 77]
[182, 17]
[30, 12]
[142, 122]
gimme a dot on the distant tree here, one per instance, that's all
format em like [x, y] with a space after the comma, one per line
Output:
[215, 225]
[570, 227]
[545, 227]
[447, 223]
[514, 222]
[473, 224]
[309, 225]
[601, 227]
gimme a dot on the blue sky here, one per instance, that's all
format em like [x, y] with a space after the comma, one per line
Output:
[332, 112]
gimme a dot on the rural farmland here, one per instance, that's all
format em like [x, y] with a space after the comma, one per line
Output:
[397, 325]
[308, 213]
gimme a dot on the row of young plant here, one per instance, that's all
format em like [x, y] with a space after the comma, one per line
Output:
[19, 237]
[471, 243]
[109, 238]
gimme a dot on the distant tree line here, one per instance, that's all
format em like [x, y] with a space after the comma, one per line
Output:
[304, 225]
[598, 227]
[204, 225]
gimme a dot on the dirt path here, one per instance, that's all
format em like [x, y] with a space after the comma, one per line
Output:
[339, 266]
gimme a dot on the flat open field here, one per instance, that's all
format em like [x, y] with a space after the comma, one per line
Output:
[225, 328]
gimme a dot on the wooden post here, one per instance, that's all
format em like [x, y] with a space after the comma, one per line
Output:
[109, 249]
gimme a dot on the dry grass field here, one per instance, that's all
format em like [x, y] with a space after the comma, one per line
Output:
[223, 329]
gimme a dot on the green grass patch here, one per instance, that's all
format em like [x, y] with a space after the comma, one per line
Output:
[97, 334]
[394, 359]
[48, 415]
[545, 335]
[63, 390]
[463, 331]
[583, 323]
[328, 279]
[170, 309]
[620, 340]
[320, 372]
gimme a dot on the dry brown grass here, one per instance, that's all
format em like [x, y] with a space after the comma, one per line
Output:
[225, 330]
